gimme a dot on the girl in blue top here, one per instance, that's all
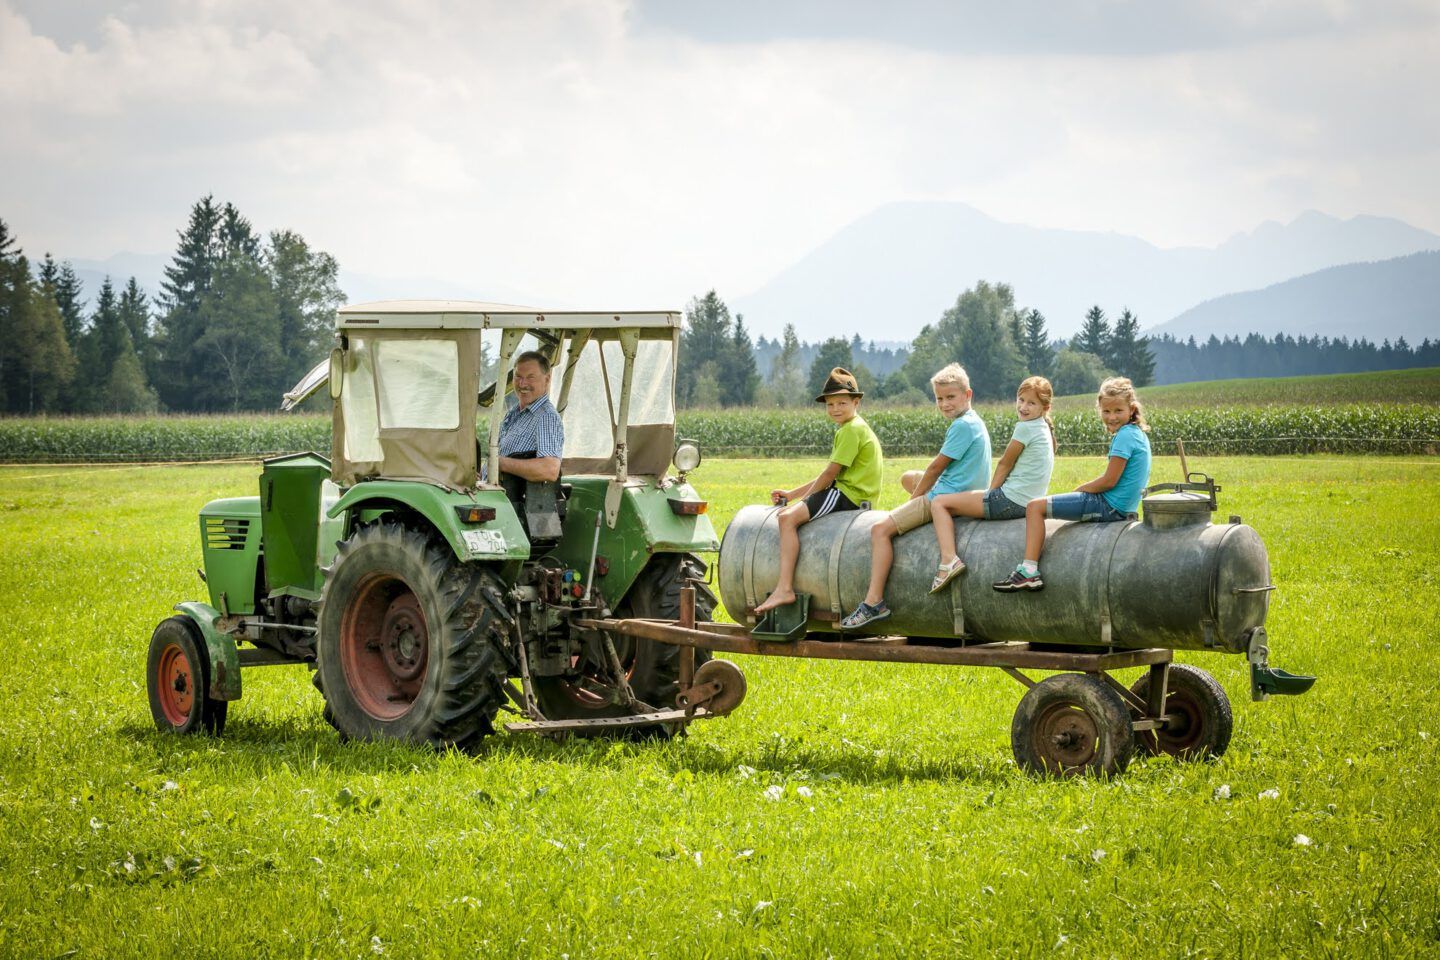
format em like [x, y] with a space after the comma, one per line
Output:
[1113, 496]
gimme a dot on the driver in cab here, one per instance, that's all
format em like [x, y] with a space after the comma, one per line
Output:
[532, 439]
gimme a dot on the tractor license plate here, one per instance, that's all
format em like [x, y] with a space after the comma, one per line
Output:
[484, 542]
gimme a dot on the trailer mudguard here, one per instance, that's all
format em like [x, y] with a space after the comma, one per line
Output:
[500, 540]
[224, 657]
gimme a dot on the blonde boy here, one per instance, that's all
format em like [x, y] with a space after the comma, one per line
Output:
[850, 481]
[963, 463]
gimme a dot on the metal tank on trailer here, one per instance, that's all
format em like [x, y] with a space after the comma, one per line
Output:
[1173, 580]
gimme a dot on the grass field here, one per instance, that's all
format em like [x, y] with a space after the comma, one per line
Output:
[844, 810]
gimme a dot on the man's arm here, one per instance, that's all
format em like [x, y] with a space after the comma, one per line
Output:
[536, 468]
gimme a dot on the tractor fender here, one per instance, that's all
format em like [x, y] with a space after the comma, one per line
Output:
[501, 539]
[224, 657]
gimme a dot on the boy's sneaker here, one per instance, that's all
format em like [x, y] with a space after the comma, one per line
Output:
[865, 614]
[1019, 581]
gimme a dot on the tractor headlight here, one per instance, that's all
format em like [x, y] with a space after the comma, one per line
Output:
[687, 456]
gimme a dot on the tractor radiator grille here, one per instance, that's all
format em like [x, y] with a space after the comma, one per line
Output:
[223, 533]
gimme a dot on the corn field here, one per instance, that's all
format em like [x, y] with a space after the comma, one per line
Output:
[1259, 430]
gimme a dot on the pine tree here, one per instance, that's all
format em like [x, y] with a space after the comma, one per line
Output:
[706, 339]
[36, 364]
[739, 378]
[70, 298]
[181, 326]
[1039, 356]
[1094, 335]
[107, 328]
[787, 380]
[1130, 354]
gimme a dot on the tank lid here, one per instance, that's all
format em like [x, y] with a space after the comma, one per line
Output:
[1183, 502]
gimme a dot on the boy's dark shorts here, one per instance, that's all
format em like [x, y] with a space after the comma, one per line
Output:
[829, 500]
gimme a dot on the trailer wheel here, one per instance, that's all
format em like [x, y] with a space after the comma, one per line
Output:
[652, 669]
[1204, 720]
[410, 641]
[1072, 724]
[177, 675]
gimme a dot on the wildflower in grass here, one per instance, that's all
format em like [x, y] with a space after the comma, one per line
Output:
[1271, 794]
[1097, 855]
[1222, 792]
[774, 792]
[804, 791]
[1302, 841]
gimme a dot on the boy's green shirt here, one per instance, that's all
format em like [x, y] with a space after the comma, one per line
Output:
[857, 449]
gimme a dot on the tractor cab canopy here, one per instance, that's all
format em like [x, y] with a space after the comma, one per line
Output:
[410, 379]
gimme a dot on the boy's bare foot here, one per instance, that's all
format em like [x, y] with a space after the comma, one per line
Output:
[776, 599]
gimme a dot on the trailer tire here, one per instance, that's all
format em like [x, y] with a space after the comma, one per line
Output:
[1206, 720]
[177, 678]
[653, 669]
[1072, 724]
[410, 642]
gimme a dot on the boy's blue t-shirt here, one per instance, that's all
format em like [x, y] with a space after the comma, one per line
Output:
[1131, 443]
[967, 444]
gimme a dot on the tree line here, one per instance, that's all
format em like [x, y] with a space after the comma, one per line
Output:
[238, 319]
[998, 342]
[1182, 361]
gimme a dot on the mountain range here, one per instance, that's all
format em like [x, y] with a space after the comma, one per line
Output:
[900, 266]
[1385, 300]
[893, 270]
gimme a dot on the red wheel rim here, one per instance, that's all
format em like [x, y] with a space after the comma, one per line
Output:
[384, 646]
[175, 683]
[1066, 737]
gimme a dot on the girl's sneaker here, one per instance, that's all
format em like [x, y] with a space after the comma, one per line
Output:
[865, 614]
[1019, 581]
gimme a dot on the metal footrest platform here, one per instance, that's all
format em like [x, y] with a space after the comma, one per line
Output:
[638, 720]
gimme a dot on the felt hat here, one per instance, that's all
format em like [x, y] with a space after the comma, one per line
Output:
[840, 381]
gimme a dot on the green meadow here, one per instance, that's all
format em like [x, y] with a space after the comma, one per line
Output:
[843, 810]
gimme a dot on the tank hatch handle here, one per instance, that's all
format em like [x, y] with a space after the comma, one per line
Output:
[1204, 485]
[1265, 589]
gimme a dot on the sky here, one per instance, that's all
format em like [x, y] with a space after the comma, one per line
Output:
[635, 153]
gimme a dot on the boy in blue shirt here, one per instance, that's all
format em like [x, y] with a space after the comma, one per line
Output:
[962, 464]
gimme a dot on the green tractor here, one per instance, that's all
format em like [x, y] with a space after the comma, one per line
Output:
[425, 598]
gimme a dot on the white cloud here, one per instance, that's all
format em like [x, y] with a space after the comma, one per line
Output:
[561, 148]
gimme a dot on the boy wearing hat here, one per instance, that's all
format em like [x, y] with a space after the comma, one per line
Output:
[849, 481]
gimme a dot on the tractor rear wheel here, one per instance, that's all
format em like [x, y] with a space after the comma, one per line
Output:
[177, 675]
[652, 669]
[411, 643]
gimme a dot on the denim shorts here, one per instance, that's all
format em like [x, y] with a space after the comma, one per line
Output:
[1085, 507]
[1000, 507]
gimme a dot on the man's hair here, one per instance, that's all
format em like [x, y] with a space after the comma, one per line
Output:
[538, 357]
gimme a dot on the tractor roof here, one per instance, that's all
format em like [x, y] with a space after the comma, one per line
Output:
[473, 314]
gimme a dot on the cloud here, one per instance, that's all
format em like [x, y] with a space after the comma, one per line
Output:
[600, 151]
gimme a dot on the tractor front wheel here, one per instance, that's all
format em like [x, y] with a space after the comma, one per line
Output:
[177, 675]
[411, 642]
